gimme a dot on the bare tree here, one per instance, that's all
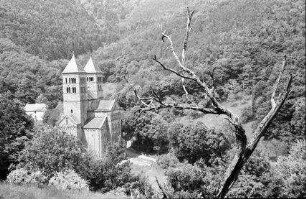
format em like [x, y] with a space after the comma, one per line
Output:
[245, 148]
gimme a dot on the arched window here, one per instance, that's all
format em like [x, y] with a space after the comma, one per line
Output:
[74, 89]
[71, 111]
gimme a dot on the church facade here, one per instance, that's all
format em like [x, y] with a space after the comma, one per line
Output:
[86, 114]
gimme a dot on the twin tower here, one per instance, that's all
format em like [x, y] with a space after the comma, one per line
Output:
[79, 86]
[87, 115]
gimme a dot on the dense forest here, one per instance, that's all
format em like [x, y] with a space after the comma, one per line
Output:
[236, 46]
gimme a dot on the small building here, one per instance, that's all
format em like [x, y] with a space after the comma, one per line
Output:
[36, 111]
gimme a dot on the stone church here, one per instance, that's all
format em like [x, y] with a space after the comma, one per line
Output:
[87, 115]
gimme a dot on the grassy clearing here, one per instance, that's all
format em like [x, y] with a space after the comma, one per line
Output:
[10, 191]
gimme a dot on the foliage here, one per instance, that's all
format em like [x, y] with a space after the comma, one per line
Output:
[68, 180]
[27, 77]
[284, 178]
[12, 191]
[246, 187]
[22, 176]
[167, 161]
[194, 141]
[15, 129]
[255, 175]
[247, 115]
[194, 181]
[105, 175]
[291, 172]
[53, 151]
[51, 116]
[50, 29]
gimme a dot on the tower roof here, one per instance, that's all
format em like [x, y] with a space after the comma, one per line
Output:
[91, 68]
[72, 67]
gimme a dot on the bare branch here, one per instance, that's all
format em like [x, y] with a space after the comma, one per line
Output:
[171, 70]
[165, 195]
[184, 87]
[188, 29]
[142, 99]
[172, 48]
[273, 103]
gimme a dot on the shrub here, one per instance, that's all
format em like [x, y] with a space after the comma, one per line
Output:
[140, 188]
[167, 160]
[53, 151]
[290, 172]
[192, 181]
[246, 187]
[253, 178]
[194, 141]
[68, 179]
[247, 115]
[23, 176]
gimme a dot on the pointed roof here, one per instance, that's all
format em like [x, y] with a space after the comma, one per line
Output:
[70, 117]
[72, 67]
[91, 68]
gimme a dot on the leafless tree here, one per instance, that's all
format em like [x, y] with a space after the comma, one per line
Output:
[245, 147]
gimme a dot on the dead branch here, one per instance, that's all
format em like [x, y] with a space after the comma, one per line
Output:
[245, 150]
[273, 103]
[161, 105]
[165, 194]
[234, 170]
[184, 87]
[188, 29]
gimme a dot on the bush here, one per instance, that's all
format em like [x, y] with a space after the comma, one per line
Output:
[192, 181]
[247, 187]
[23, 176]
[167, 160]
[254, 176]
[53, 151]
[247, 115]
[68, 179]
[194, 141]
[285, 178]
[290, 172]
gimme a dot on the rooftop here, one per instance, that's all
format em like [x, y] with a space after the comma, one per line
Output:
[72, 67]
[35, 107]
[90, 67]
[106, 105]
[95, 123]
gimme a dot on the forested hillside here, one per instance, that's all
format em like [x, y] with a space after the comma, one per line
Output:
[235, 46]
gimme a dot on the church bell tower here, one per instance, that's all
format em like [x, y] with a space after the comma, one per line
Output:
[75, 92]
[94, 79]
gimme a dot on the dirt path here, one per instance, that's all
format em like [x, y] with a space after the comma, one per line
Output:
[147, 166]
